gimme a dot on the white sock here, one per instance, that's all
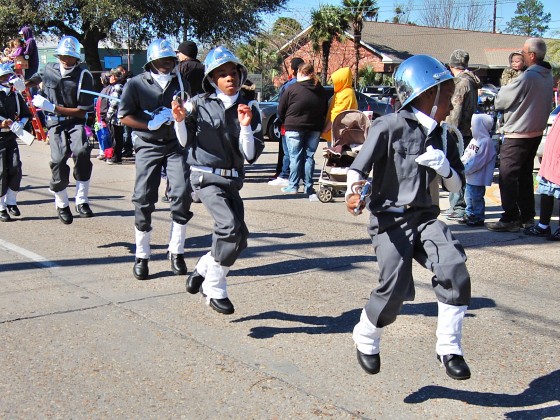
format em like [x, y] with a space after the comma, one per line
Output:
[449, 329]
[215, 285]
[11, 196]
[82, 190]
[367, 336]
[142, 243]
[177, 238]
[61, 199]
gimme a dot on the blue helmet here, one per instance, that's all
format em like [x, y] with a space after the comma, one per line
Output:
[215, 58]
[70, 46]
[416, 75]
[159, 48]
[6, 68]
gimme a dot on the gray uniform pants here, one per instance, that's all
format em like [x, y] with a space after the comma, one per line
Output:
[221, 198]
[398, 238]
[10, 165]
[150, 157]
[68, 139]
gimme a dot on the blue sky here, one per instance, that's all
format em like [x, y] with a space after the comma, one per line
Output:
[300, 10]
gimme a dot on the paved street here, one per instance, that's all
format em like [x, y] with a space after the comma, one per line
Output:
[81, 338]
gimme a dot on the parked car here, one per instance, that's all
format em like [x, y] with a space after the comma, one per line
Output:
[387, 94]
[549, 123]
[271, 127]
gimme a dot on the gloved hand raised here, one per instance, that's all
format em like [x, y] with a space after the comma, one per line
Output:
[17, 83]
[160, 119]
[17, 128]
[43, 103]
[435, 159]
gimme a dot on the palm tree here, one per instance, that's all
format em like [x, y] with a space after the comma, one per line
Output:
[327, 24]
[357, 11]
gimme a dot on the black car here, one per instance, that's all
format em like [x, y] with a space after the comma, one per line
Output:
[269, 109]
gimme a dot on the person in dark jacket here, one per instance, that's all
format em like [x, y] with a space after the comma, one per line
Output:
[190, 67]
[302, 109]
[31, 51]
[14, 113]
[65, 110]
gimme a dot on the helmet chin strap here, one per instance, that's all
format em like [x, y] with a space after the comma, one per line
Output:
[435, 106]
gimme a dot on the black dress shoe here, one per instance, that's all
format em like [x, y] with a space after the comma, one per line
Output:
[455, 366]
[371, 363]
[223, 306]
[13, 210]
[83, 210]
[65, 215]
[194, 281]
[178, 265]
[140, 269]
[4, 216]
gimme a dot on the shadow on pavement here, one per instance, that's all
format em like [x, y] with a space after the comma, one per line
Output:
[540, 391]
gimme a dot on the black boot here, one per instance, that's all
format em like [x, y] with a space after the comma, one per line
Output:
[4, 216]
[65, 215]
[140, 269]
[194, 281]
[455, 366]
[178, 265]
[13, 210]
[371, 363]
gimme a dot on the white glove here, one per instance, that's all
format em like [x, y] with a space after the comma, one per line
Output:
[157, 121]
[43, 103]
[17, 83]
[435, 159]
[17, 128]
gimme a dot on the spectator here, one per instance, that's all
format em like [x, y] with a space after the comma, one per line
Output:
[17, 48]
[479, 160]
[191, 68]
[31, 51]
[526, 103]
[302, 108]
[549, 185]
[516, 67]
[117, 78]
[464, 101]
[344, 98]
[101, 108]
[282, 174]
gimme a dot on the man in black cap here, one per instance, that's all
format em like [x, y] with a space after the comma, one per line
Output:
[191, 68]
[464, 100]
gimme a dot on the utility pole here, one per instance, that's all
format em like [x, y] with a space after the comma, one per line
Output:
[494, 17]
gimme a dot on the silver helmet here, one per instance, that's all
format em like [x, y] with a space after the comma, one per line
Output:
[159, 48]
[416, 75]
[70, 46]
[215, 58]
[6, 68]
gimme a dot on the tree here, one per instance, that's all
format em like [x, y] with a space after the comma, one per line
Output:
[92, 21]
[357, 11]
[530, 19]
[457, 14]
[327, 24]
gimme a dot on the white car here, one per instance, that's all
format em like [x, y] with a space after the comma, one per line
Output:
[551, 118]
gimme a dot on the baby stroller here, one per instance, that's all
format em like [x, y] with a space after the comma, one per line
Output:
[349, 131]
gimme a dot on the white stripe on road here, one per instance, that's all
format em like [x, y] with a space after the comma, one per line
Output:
[28, 254]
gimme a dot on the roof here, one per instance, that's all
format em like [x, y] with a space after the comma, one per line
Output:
[395, 42]
[399, 41]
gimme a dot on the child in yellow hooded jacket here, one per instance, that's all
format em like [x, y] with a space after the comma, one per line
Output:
[344, 98]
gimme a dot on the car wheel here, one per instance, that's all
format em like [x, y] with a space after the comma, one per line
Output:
[274, 131]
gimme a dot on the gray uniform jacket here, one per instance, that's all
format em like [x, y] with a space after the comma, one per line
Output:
[143, 93]
[63, 91]
[215, 133]
[527, 102]
[392, 144]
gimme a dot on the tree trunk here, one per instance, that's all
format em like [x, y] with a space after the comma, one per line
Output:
[357, 39]
[91, 49]
[326, 49]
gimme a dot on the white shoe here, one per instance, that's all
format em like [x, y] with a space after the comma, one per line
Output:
[279, 181]
[101, 156]
[313, 197]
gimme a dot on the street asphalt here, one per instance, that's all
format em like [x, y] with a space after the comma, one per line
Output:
[81, 338]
